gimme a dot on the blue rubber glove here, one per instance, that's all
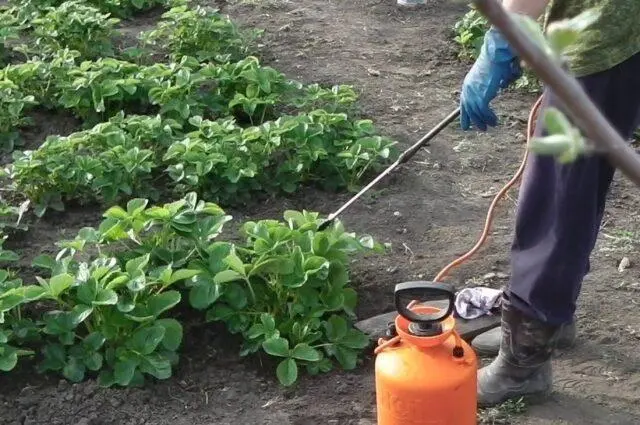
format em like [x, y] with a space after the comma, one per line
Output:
[496, 67]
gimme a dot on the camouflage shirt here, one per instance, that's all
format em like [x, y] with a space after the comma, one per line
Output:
[610, 41]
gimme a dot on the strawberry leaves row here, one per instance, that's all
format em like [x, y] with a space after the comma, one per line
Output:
[96, 90]
[146, 156]
[110, 293]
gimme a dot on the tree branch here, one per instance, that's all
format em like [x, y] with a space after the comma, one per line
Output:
[574, 100]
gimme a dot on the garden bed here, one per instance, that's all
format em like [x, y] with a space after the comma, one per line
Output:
[405, 68]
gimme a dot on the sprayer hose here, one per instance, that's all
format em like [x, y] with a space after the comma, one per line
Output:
[489, 220]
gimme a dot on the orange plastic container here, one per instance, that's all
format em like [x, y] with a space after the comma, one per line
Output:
[426, 374]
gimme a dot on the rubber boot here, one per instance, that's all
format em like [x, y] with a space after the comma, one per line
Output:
[523, 365]
[488, 344]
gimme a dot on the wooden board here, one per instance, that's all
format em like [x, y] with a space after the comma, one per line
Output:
[375, 327]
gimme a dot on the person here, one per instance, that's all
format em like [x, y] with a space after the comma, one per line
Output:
[560, 206]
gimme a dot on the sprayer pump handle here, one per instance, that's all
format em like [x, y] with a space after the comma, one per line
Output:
[422, 292]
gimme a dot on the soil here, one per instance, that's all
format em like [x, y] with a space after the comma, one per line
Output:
[432, 210]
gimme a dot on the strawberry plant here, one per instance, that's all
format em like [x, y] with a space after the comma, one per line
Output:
[199, 32]
[252, 90]
[229, 163]
[287, 292]
[95, 90]
[113, 305]
[111, 159]
[15, 329]
[12, 216]
[112, 315]
[25, 11]
[469, 33]
[108, 293]
[37, 78]
[74, 25]
[128, 156]
[339, 98]
[30, 9]
[351, 149]
[181, 89]
[13, 105]
[285, 289]
[127, 8]
[9, 30]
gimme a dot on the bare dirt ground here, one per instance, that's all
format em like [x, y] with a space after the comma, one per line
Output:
[404, 64]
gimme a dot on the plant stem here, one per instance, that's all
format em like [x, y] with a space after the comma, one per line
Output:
[571, 95]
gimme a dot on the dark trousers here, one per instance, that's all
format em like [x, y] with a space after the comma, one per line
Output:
[560, 206]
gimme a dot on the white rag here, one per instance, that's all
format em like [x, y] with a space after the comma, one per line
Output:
[472, 303]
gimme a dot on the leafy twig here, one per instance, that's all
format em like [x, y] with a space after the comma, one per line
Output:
[572, 97]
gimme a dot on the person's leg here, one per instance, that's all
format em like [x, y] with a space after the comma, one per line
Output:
[558, 219]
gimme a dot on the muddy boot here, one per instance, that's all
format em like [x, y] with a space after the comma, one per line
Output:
[488, 343]
[523, 365]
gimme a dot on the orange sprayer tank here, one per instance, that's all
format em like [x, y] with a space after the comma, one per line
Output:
[426, 374]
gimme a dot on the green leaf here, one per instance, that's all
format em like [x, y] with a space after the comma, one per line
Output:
[367, 242]
[156, 366]
[116, 212]
[183, 274]
[235, 296]
[123, 372]
[204, 293]
[54, 357]
[80, 313]
[60, 283]
[32, 292]
[106, 378]
[236, 264]
[320, 244]
[44, 261]
[564, 33]
[146, 340]
[93, 361]
[8, 359]
[277, 265]
[94, 341]
[276, 346]
[173, 333]
[269, 322]
[158, 304]
[137, 265]
[555, 144]
[336, 328]
[136, 206]
[158, 213]
[74, 370]
[227, 276]
[305, 352]
[355, 339]
[287, 372]
[6, 255]
[347, 357]
[106, 297]
[556, 122]
[88, 291]
[350, 297]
